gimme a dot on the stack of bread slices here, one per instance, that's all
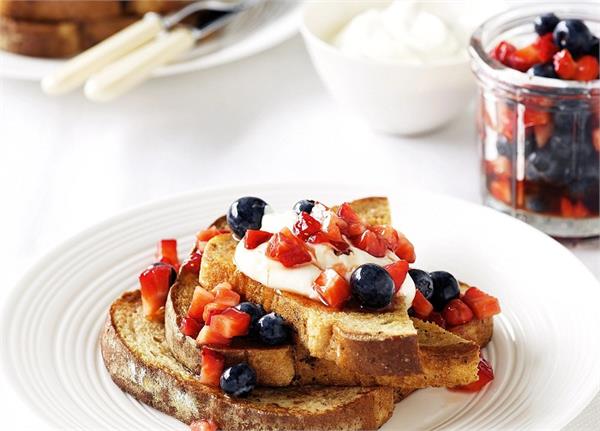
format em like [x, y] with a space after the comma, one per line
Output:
[63, 28]
[342, 370]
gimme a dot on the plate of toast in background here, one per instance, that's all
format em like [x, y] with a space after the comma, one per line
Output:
[35, 37]
[56, 330]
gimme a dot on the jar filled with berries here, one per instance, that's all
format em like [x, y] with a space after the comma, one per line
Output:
[538, 116]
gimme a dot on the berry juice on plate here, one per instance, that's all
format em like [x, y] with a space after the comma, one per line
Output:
[538, 116]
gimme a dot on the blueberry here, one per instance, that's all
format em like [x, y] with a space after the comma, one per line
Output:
[560, 147]
[445, 288]
[545, 23]
[305, 205]
[545, 70]
[272, 329]
[530, 143]
[573, 35]
[172, 275]
[422, 281]
[551, 164]
[538, 163]
[239, 380]
[538, 203]
[579, 189]
[504, 147]
[255, 311]
[568, 114]
[245, 213]
[593, 47]
[372, 286]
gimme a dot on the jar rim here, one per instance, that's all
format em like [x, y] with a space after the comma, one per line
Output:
[497, 71]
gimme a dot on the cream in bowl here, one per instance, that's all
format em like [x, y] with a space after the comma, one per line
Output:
[402, 65]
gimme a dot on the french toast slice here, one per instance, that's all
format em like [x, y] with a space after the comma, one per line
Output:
[447, 359]
[60, 10]
[377, 344]
[140, 363]
[56, 39]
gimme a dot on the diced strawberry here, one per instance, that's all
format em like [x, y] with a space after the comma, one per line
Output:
[200, 299]
[332, 227]
[226, 296]
[355, 225]
[405, 249]
[580, 210]
[522, 59]
[564, 65]
[545, 47]
[388, 234]
[222, 285]
[192, 264]
[167, 252]
[254, 238]
[587, 68]
[596, 139]
[502, 51]
[333, 289]
[500, 189]
[480, 303]
[213, 365]
[456, 312]
[371, 243]
[208, 336]
[211, 310]
[203, 425]
[231, 323]
[485, 374]
[398, 271]
[500, 167]
[154, 285]
[543, 133]
[566, 207]
[421, 306]
[288, 249]
[340, 268]
[507, 120]
[206, 235]
[534, 117]
[190, 327]
[306, 226]
[437, 318]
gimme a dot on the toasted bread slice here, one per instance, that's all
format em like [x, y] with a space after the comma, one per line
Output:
[375, 344]
[56, 40]
[447, 359]
[60, 10]
[382, 343]
[140, 7]
[140, 363]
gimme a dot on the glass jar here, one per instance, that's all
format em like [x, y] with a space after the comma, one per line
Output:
[539, 137]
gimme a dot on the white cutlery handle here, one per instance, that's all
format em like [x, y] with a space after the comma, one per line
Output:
[134, 68]
[75, 71]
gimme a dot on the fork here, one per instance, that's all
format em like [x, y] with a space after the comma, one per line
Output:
[77, 70]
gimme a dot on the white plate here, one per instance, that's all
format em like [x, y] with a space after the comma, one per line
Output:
[255, 30]
[544, 350]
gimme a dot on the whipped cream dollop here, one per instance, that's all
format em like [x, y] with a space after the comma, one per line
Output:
[299, 279]
[419, 32]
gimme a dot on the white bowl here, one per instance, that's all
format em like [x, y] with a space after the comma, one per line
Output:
[394, 97]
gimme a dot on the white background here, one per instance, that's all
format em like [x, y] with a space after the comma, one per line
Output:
[66, 163]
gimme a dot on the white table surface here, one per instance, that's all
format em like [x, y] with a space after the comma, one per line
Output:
[67, 163]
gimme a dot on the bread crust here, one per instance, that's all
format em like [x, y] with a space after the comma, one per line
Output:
[60, 10]
[56, 40]
[327, 334]
[176, 392]
[447, 360]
